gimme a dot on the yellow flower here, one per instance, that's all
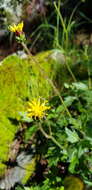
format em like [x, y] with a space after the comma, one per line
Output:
[37, 109]
[16, 28]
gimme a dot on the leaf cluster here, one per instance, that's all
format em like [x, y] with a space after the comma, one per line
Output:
[71, 150]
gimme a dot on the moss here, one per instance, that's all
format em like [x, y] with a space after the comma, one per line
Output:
[29, 170]
[2, 169]
[40, 85]
[7, 132]
[54, 68]
[14, 85]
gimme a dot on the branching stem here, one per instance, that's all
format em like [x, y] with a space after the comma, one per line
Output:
[48, 136]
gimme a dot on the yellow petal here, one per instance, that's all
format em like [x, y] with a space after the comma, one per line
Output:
[20, 26]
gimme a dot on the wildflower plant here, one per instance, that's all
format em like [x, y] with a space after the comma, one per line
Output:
[66, 127]
[18, 30]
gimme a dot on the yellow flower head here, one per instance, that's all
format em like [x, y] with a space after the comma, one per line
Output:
[16, 28]
[37, 108]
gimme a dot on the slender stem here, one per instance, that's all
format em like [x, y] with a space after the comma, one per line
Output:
[60, 97]
[73, 12]
[50, 130]
[50, 137]
[56, 142]
[70, 71]
[36, 62]
[89, 78]
[25, 48]
[57, 42]
[44, 133]
[88, 66]
[61, 18]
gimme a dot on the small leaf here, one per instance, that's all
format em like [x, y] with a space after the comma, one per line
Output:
[72, 136]
[66, 85]
[69, 100]
[80, 86]
[24, 117]
[73, 159]
[27, 188]
[73, 163]
[59, 109]
[75, 122]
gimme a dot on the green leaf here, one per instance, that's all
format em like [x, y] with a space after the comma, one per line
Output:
[81, 151]
[77, 123]
[61, 188]
[59, 109]
[66, 85]
[73, 158]
[69, 100]
[80, 86]
[24, 117]
[27, 188]
[72, 136]
[73, 161]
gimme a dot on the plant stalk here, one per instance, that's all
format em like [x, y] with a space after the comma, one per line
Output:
[35, 61]
[50, 137]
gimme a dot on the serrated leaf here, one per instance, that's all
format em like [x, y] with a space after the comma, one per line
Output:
[72, 136]
[59, 109]
[80, 86]
[69, 100]
[75, 122]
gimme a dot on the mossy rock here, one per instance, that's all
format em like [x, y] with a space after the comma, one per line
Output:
[20, 80]
[73, 183]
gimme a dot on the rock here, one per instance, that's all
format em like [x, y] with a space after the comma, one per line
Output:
[73, 183]
[11, 11]
[57, 56]
[20, 173]
[22, 54]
